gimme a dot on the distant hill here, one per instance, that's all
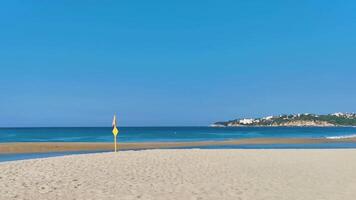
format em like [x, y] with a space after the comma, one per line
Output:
[336, 119]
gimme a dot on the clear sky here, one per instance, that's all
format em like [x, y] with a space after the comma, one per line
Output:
[75, 63]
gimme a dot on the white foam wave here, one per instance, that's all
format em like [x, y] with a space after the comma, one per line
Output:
[342, 136]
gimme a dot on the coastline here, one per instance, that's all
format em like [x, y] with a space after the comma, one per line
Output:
[281, 126]
[44, 147]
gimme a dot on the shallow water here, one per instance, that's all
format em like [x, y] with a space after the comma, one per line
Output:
[26, 156]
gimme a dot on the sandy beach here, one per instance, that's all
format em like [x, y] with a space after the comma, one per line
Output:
[35, 147]
[185, 174]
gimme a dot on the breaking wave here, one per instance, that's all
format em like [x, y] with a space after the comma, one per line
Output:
[342, 136]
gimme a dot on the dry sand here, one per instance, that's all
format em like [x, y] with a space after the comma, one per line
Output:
[185, 174]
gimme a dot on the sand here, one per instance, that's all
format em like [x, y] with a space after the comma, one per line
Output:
[185, 174]
[34, 147]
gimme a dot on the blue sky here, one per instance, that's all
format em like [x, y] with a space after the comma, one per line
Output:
[75, 63]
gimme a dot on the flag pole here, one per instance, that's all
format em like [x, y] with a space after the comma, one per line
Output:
[115, 143]
[115, 131]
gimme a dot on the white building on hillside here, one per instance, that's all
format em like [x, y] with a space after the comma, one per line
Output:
[246, 121]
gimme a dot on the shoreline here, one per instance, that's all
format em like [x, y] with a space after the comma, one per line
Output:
[45, 147]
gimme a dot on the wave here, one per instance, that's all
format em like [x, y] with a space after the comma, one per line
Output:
[341, 136]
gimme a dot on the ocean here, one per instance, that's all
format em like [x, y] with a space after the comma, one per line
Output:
[173, 134]
[168, 134]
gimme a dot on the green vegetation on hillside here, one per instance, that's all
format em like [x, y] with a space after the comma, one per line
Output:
[337, 119]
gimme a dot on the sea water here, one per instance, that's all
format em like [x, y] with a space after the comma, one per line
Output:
[168, 134]
[174, 134]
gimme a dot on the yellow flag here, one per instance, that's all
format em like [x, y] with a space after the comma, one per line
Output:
[115, 131]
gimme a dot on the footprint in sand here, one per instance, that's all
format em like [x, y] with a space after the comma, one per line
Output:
[43, 189]
[135, 197]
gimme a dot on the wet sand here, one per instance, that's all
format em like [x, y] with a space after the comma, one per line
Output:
[37, 147]
[185, 174]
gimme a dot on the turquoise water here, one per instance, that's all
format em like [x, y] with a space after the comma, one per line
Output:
[26, 156]
[163, 134]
